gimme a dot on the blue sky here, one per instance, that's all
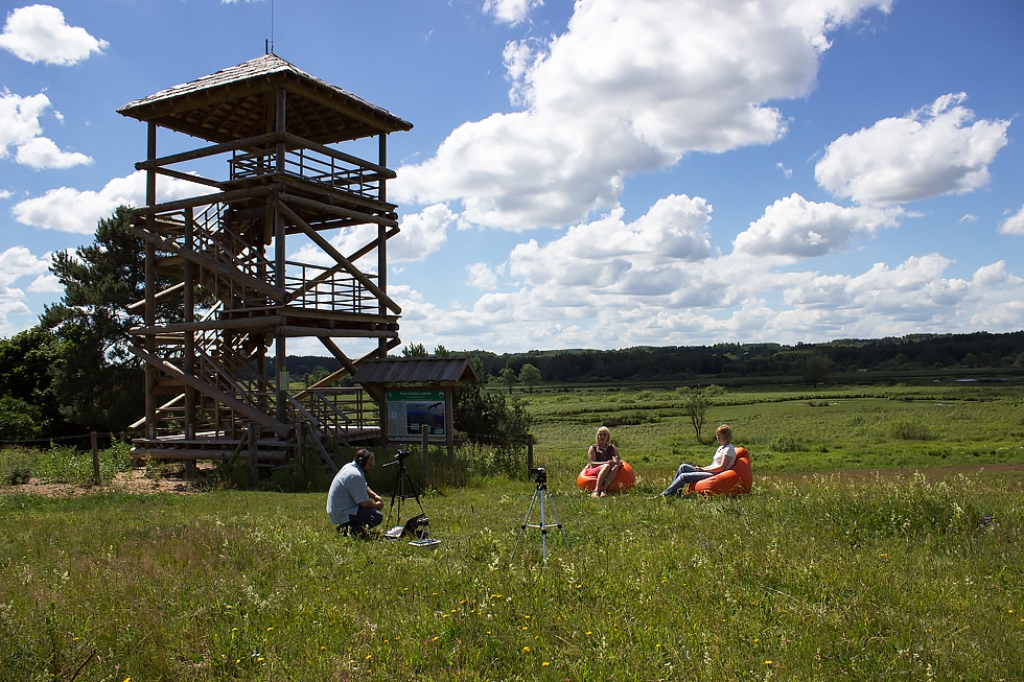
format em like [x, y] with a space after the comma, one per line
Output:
[602, 174]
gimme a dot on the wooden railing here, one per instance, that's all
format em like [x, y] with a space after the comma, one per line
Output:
[256, 157]
[338, 291]
[342, 172]
[338, 411]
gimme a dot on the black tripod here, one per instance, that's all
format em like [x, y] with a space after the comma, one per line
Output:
[541, 493]
[417, 525]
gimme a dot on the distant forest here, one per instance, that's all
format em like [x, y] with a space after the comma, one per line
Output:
[916, 352]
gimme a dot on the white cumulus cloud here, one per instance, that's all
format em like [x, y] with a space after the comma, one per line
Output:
[20, 128]
[46, 284]
[749, 303]
[18, 261]
[1014, 224]
[38, 33]
[420, 235]
[19, 119]
[41, 152]
[794, 228]
[932, 151]
[627, 88]
[66, 209]
[611, 255]
[481, 276]
[15, 263]
[510, 12]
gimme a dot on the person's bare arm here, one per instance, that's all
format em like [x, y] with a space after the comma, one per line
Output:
[374, 502]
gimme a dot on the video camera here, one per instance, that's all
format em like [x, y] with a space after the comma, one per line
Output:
[399, 457]
[539, 474]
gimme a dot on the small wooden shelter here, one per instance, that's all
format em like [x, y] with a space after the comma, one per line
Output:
[418, 392]
[224, 283]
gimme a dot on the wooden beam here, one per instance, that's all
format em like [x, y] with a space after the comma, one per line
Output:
[243, 408]
[224, 323]
[198, 179]
[160, 296]
[338, 210]
[175, 454]
[166, 407]
[336, 255]
[214, 265]
[213, 150]
[327, 274]
[346, 364]
[293, 331]
[205, 199]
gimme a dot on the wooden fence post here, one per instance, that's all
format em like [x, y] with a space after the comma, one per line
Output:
[95, 458]
[529, 451]
[424, 451]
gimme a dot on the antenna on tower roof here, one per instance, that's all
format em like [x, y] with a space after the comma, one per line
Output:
[271, 26]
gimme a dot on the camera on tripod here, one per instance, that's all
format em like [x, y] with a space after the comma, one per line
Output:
[541, 494]
[399, 457]
[417, 526]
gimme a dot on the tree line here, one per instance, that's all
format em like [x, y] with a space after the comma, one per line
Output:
[809, 362]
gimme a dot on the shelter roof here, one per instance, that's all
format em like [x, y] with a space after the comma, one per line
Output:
[239, 102]
[448, 369]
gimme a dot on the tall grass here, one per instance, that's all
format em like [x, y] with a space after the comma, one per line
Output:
[62, 464]
[815, 578]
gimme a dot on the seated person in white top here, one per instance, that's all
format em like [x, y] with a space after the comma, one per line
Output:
[725, 457]
[350, 500]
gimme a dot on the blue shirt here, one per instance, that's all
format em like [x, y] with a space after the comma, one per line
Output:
[347, 490]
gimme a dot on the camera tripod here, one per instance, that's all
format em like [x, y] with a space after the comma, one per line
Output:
[540, 493]
[417, 526]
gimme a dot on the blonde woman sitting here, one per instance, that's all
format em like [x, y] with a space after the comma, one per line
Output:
[604, 462]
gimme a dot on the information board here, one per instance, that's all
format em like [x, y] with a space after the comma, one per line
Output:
[409, 410]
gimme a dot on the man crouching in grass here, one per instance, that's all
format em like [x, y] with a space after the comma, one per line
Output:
[351, 504]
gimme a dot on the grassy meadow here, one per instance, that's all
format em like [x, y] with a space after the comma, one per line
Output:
[816, 575]
[832, 429]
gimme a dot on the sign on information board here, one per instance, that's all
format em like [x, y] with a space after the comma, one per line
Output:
[409, 410]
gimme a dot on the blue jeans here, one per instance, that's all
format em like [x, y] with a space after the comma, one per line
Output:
[365, 517]
[687, 473]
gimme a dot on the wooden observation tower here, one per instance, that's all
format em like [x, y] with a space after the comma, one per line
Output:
[232, 274]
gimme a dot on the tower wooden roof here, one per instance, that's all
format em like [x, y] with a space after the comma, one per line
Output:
[239, 102]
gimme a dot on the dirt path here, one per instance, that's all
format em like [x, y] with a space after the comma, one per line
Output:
[133, 481]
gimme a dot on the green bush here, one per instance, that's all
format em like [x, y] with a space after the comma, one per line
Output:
[785, 444]
[629, 419]
[909, 429]
[15, 467]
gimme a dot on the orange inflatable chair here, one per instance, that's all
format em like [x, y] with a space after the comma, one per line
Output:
[736, 481]
[623, 480]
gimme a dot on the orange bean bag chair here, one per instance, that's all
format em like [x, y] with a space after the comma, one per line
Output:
[623, 480]
[736, 481]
